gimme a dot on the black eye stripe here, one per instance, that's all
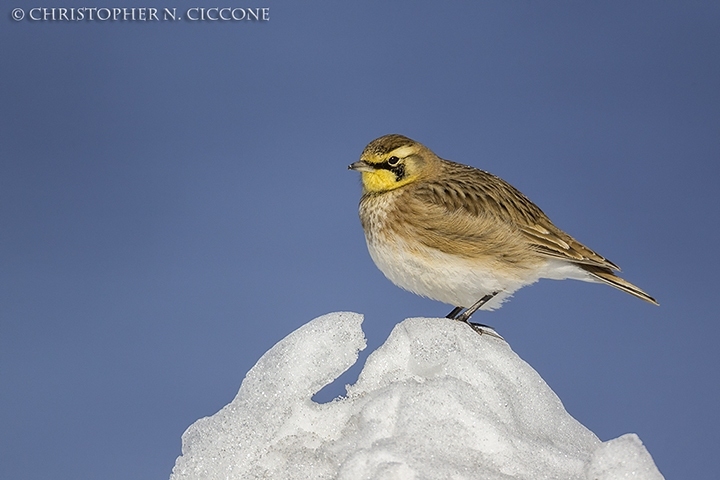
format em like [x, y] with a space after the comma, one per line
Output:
[398, 169]
[387, 165]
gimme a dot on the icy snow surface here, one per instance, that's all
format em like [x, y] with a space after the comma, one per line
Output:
[437, 400]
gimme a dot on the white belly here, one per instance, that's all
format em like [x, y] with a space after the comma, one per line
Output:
[440, 276]
[456, 281]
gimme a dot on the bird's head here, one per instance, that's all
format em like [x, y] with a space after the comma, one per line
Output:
[391, 161]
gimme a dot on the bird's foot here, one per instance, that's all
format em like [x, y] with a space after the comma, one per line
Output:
[465, 317]
[484, 330]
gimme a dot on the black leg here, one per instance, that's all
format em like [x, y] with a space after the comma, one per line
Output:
[465, 316]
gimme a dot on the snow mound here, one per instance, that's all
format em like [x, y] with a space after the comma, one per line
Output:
[437, 400]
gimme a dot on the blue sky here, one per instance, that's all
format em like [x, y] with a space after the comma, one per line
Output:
[174, 200]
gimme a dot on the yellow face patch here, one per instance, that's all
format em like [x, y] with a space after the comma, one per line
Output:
[379, 175]
[379, 180]
[382, 180]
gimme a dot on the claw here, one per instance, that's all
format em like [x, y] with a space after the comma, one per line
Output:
[465, 316]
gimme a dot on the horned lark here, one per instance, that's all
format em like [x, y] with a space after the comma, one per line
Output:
[461, 235]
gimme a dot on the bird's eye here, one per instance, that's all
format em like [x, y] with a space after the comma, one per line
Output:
[393, 160]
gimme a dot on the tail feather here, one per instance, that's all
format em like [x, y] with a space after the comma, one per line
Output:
[607, 276]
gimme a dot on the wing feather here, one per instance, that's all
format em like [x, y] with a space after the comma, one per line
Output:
[468, 203]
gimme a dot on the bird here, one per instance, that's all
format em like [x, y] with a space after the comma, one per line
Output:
[460, 235]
